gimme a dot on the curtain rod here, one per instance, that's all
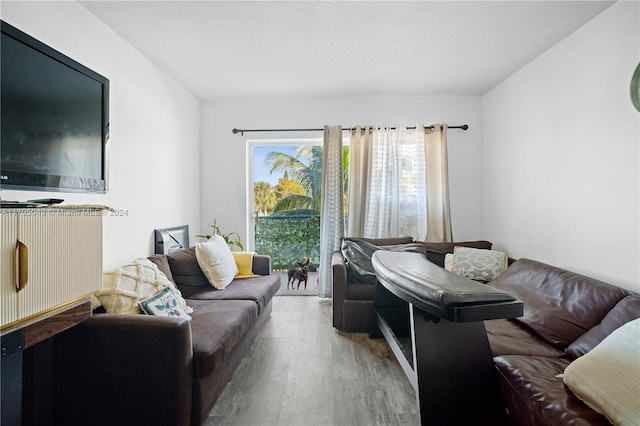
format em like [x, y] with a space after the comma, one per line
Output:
[243, 131]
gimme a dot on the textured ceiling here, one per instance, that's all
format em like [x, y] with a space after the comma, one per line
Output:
[247, 49]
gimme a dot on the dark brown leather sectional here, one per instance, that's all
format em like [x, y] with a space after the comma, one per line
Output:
[565, 316]
[116, 369]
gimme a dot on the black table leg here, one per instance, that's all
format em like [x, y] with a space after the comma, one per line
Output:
[456, 376]
[11, 366]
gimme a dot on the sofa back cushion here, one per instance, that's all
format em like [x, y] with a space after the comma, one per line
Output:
[626, 310]
[558, 305]
[436, 252]
[184, 270]
[161, 261]
[357, 254]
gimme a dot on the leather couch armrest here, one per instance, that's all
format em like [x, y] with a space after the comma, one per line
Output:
[123, 369]
[339, 280]
[261, 264]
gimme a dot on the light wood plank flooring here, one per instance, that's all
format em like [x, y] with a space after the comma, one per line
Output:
[302, 371]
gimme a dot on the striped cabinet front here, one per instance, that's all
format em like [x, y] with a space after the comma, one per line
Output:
[64, 259]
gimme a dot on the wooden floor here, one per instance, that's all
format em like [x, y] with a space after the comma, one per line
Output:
[302, 371]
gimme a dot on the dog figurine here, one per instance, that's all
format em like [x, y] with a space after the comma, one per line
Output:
[299, 274]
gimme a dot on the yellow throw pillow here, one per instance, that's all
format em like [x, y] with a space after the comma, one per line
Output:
[244, 262]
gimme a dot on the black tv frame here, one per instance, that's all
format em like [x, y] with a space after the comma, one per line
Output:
[50, 180]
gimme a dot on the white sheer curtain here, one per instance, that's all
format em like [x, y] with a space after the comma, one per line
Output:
[390, 173]
[332, 211]
[398, 183]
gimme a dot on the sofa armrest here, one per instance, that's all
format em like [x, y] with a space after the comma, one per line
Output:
[124, 369]
[261, 264]
[339, 281]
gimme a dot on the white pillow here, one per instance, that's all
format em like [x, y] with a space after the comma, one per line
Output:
[216, 261]
[607, 378]
[448, 262]
[124, 287]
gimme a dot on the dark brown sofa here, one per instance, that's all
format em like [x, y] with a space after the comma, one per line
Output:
[353, 294]
[565, 316]
[116, 369]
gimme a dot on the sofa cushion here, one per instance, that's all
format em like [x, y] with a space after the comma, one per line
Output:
[357, 253]
[259, 290]
[535, 394]
[216, 261]
[626, 310]
[608, 377]
[123, 288]
[558, 305]
[437, 251]
[163, 304]
[509, 337]
[185, 271]
[161, 261]
[478, 264]
[217, 327]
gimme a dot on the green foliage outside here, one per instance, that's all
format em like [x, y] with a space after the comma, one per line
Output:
[286, 187]
[289, 239]
[306, 169]
[264, 198]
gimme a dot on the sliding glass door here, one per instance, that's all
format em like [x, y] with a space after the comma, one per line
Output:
[284, 182]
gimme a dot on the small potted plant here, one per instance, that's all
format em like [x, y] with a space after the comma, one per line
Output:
[232, 238]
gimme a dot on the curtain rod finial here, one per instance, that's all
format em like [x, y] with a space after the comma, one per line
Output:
[464, 126]
[236, 131]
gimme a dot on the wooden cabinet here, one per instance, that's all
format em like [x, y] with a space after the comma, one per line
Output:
[64, 260]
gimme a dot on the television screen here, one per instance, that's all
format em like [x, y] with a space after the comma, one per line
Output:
[54, 119]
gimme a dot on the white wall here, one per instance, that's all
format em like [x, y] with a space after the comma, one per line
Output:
[561, 156]
[154, 131]
[223, 165]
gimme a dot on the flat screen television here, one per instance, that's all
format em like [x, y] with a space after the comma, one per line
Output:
[54, 119]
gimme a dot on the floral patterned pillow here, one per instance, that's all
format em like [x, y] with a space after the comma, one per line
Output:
[478, 264]
[163, 304]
